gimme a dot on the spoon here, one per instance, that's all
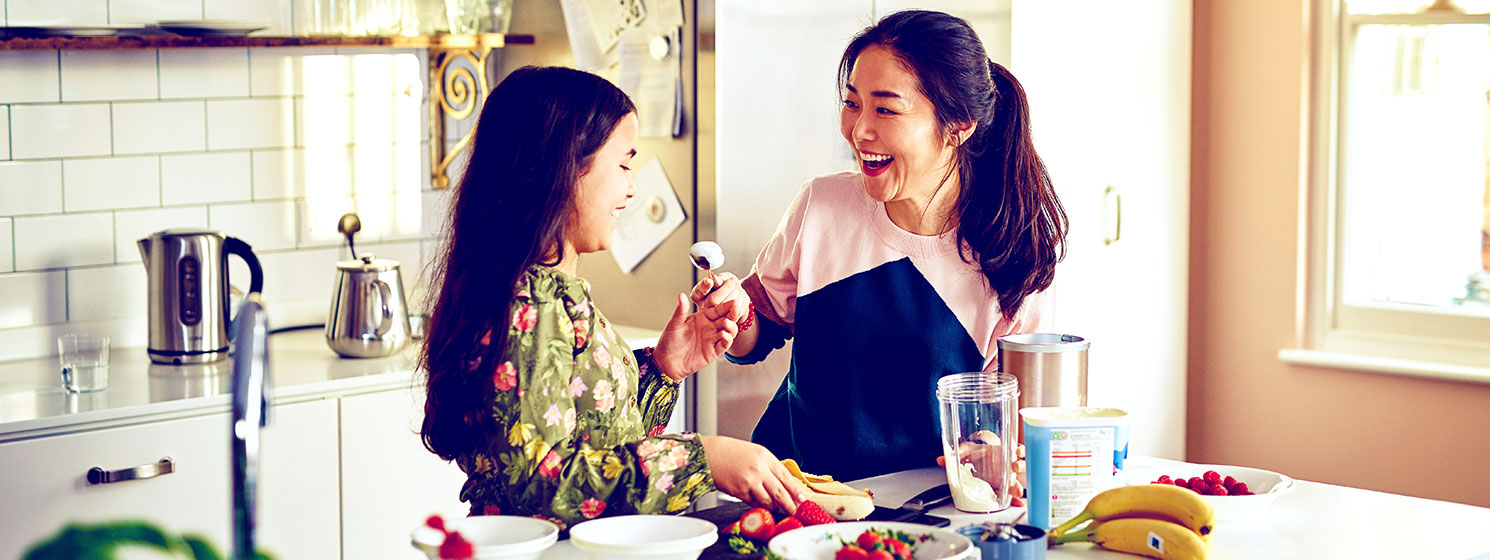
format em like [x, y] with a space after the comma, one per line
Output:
[348, 225]
[707, 256]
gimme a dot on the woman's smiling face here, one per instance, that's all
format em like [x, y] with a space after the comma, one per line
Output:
[893, 130]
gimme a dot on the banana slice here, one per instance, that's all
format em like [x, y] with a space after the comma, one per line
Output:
[843, 502]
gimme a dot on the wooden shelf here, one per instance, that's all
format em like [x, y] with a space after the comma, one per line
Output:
[481, 41]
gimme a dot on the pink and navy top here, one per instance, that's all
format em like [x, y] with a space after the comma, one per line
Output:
[878, 314]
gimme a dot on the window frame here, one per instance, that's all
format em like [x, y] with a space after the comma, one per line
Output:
[1382, 337]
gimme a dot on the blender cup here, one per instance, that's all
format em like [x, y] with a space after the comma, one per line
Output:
[979, 421]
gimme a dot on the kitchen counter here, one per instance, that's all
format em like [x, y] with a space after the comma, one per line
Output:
[33, 403]
[1313, 521]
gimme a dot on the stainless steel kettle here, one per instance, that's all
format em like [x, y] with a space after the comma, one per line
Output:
[187, 275]
[369, 317]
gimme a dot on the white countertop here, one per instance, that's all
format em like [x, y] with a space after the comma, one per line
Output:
[1313, 522]
[302, 367]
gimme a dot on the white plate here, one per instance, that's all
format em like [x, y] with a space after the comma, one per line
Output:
[215, 27]
[69, 31]
[1266, 486]
[821, 542]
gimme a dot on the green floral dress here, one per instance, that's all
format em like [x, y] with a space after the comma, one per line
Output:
[579, 418]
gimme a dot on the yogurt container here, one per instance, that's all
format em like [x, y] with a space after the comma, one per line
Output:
[1072, 453]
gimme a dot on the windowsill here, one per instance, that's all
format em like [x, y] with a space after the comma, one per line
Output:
[1360, 362]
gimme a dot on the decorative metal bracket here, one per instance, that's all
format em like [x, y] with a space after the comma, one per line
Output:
[455, 92]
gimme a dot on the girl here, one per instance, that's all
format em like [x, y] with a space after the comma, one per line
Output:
[530, 391]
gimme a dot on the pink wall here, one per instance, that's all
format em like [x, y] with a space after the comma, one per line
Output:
[1395, 434]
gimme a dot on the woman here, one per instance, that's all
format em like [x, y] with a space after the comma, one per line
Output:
[530, 390]
[960, 234]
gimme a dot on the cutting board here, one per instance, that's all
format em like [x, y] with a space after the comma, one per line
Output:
[723, 515]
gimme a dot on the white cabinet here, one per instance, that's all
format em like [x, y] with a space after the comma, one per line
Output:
[45, 483]
[1109, 89]
[390, 482]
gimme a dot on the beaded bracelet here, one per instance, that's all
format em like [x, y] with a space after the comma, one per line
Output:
[749, 320]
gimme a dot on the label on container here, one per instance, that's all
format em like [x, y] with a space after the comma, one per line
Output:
[1080, 467]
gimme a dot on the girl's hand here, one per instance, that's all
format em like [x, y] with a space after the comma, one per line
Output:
[721, 295]
[751, 473]
[691, 341]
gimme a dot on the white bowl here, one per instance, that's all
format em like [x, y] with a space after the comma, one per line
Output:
[659, 537]
[1266, 486]
[821, 542]
[494, 537]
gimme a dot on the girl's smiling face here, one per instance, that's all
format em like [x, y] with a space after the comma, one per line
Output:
[604, 188]
[901, 149]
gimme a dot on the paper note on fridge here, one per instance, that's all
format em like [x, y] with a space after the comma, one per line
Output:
[648, 219]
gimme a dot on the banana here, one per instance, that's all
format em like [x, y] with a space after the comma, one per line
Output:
[843, 502]
[1159, 501]
[1154, 538]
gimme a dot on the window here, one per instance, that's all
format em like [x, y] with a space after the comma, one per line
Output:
[1401, 217]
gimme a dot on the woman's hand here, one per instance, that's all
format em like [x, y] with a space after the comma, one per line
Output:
[721, 295]
[751, 473]
[984, 451]
[691, 341]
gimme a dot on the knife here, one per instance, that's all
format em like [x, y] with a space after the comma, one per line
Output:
[931, 498]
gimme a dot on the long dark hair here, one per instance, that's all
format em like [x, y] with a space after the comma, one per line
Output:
[538, 130]
[1007, 213]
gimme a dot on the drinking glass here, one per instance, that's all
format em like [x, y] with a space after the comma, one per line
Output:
[85, 362]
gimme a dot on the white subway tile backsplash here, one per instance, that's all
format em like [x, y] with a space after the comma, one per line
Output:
[203, 73]
[326, 120]
[30, 76]
[110, 183]
[320, 215]
[127, 12]
[264, 225]
[133, 225]
[372, 73]
[278, 174]
[279, 71]
[277, 13]
[408, 167]
[300, 275]
[32, 299]
[410, 119]
[203, 178]
[106, 292]
[328, 170]
[372, 119]
[64, 241]
[30, 187]
[250, 123]
[108, 75]
[7, 246]
[372, 169]
[57, 12]
[327, 74]
[44, 131]
[164, 126]
[4, 133]
[407, 217]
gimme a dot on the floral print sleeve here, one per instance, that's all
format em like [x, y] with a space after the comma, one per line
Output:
[573, 412]
[656, 395]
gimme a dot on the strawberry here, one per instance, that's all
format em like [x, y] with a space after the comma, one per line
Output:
[881, 554]
[850, 552]
[731, 529]
[757, 524]
[436, 522]
[899, 548]
[868, 539]
[787, 525]
[809, 513]
[456, 547]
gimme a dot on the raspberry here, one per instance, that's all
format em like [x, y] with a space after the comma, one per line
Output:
[1240, 489]
[456, 547]
[1195, 482]
[1229, 481]
[1218, 490]
[1211, 477]
[435, 522]
[1182, 483]
[1164, 479]
[1200, 487]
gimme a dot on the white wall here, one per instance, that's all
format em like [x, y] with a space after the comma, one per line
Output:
[98, 148]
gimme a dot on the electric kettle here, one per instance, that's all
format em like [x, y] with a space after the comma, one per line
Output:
[187, 275]
[369, 317]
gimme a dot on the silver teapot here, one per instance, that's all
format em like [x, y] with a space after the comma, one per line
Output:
[369, 315]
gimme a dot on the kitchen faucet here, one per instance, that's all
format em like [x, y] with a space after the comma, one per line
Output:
[250, 413]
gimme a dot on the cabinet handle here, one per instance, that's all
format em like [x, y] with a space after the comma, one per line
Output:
[97, 475]
[1114, 199]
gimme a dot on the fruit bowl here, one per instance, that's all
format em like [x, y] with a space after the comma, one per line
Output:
[654, 537]
[1265, 485]
[493, 537]
[821, 542]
